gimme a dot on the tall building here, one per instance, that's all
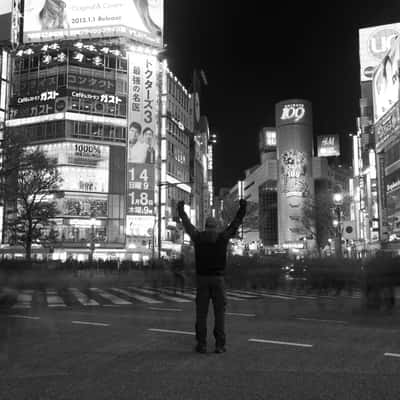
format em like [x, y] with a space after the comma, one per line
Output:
[184, 161]
[10, 32]
[295, 150]
[368, 208]
[95, 96]
[261, 232]
[385, 88]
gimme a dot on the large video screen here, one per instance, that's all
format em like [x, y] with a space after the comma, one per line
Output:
[141, 20]
[385, 83]
[374, 43]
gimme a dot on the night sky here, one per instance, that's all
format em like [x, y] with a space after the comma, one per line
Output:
[256, 53]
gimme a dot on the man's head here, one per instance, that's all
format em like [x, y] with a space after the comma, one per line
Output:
[134, 131]
[148, 136]
[211, 224]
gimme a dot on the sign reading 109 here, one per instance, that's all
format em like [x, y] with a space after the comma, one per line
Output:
[140, 189]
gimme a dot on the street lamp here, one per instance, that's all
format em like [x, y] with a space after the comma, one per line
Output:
[338, 201]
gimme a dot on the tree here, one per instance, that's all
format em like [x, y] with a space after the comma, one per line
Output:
[317, 218]
[230, 208]
[30, 181]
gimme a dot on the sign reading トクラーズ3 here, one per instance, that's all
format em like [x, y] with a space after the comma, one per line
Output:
[141, 20]
[143, 99]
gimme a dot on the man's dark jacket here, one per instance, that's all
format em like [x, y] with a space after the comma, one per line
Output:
[210, 247]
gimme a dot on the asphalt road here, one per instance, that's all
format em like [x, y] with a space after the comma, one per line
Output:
[278, 348]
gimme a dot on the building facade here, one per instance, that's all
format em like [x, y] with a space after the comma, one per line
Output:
[120, 125]
[368, 210]
[385, 88]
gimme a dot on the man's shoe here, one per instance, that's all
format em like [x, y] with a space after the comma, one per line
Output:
[220, 349]
[201, 349]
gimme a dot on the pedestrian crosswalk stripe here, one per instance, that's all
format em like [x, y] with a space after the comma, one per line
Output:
[162, 296]
[187, 295]
[137, 296]
[171, 331]
[280, 342]
[242, 295]
[53, 300]
[276, 296]
[26, 299]
[254, 294]
[108, 296]
[90, 323]
[83, 298]
[229, 297]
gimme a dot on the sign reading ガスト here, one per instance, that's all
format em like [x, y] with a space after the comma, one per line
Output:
[141, 20]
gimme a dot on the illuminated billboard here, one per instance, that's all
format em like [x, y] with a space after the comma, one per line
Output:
[328, 146]
[143, 99]
[78, 153]
[267, 139]
[385, 82]
[374, 43]
[137, 225]
[141, 20]
[9, 21]
[387, 129]
[83, 167]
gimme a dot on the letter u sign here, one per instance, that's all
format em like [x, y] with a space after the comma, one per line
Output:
[293, 111]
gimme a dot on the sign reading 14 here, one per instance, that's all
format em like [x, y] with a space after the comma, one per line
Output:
[144, 196]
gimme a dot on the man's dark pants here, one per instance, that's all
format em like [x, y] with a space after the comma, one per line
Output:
[210, 287]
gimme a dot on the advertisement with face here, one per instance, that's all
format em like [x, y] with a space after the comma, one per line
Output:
[142, 133]
[141, 20]
[374, 43]
[385, 83]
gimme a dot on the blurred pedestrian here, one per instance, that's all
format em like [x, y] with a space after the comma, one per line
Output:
[178, 269]
[210, 258]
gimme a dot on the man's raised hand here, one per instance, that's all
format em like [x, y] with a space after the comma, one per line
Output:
[181, 207]
[242, 203]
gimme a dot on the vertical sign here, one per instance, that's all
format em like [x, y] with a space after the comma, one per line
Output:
[142, 142]
[382, 200]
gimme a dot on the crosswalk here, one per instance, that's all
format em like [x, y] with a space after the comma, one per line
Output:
[114, 296]
[131, 295]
